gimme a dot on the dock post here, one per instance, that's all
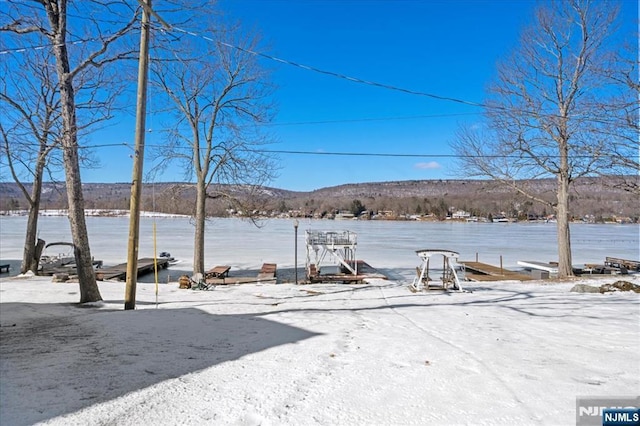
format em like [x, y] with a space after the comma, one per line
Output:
[295, 248]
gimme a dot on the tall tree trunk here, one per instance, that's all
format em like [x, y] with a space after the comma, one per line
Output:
[200, 217]
[89, 291]
[31, 255]
[565, 268]
[30, 258]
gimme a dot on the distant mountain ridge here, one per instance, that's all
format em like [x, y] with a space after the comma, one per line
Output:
[596, 196]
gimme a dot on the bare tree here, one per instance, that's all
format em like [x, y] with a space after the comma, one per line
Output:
[543, 113]
[30, 131]
[50, 19]
[623, 117]
[219, 97]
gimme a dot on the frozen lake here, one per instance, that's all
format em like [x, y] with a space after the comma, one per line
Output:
[387, 245]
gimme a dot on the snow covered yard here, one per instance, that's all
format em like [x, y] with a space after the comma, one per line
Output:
[505, 353]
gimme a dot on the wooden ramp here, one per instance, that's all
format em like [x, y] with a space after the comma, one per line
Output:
[478, 271]
[119, 272]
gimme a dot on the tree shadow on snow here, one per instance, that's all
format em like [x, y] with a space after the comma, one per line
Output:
[503, 297]
[57, 361]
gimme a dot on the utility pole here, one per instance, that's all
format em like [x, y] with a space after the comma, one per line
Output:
[138, 160]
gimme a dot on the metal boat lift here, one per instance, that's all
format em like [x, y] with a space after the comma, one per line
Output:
[450, 278]
[340, 245]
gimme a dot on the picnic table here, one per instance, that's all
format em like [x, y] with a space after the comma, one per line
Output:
[218, 272]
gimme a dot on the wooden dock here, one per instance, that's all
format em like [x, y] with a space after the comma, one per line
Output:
[365, 271]
[119, 272]
[629, 265]
[266, 275]
[478, 271]
[234, 280]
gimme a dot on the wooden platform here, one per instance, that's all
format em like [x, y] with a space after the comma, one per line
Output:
[478, 271]
[630, 265]
[365, 271]
[119, 272]
[240, 280]
[267, 275]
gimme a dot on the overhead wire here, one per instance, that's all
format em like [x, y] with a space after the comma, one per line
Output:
[164, 27]
[331, 73]
[331, 153]
[168, 27]
[368, 119]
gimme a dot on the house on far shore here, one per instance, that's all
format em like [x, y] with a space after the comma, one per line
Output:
[344, 215]
[460, 215]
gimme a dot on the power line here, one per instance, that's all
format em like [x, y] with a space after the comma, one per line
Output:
[332, 73]
[42, 46]
[357, 120]
[356, 154]
[336, 153]
[166, 27]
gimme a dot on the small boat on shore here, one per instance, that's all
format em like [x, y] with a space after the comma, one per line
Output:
[60, 257]
[165, 255]
[57, 255]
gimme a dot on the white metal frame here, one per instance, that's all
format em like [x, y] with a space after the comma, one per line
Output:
[341, 245]
[450, 279]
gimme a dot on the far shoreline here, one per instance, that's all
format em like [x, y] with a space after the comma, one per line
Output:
[151, 214]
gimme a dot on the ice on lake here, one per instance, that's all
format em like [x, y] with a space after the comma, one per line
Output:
[389, 246]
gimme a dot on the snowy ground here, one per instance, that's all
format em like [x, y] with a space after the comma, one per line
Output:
[371, 354]
[505, 353]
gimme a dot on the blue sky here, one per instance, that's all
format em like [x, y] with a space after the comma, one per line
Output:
[441, 47]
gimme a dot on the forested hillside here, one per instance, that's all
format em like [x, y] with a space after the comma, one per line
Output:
[594, 197]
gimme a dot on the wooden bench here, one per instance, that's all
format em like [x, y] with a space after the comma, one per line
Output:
[313, 270]
[3, 267]
[218, 272]
[268, 268]
[268, 271]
